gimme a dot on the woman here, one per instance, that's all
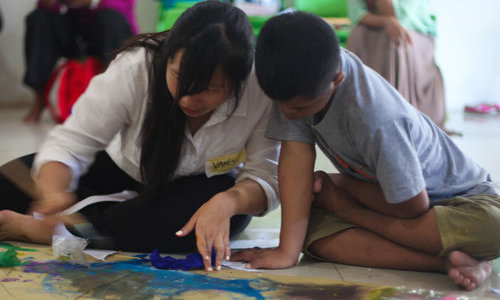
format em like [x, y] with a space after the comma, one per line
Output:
[181, 123]
[396, 39]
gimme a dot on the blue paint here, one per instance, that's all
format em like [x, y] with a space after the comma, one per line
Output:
[139, 278]
[191, 262]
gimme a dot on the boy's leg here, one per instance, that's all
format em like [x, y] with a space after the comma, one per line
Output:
[361, 247]
[417, 240]
[357, 246]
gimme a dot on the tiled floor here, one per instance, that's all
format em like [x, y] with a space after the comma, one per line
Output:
[480, 140]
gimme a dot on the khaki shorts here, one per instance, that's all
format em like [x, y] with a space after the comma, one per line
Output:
[470, 224]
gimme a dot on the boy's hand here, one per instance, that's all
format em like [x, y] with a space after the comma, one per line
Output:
[258, 258]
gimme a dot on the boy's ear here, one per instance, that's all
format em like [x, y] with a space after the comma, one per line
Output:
[338, 78]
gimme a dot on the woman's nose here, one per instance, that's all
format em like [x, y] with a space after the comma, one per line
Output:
[190, 99]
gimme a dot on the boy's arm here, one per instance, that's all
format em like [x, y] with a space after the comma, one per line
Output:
[295, 174]
[295, 177]
[371, 195]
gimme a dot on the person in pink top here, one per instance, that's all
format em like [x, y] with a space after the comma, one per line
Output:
[72, 28]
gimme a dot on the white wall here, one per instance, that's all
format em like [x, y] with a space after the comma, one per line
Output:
[11, 44]
[11, 50]
[467, 48]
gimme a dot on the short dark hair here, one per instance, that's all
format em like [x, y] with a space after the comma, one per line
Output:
[297, 54]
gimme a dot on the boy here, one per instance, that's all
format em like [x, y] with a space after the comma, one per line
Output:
[406, 196]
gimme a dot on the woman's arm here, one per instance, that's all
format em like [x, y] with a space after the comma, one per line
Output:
[383, 18]
[110, 103]
[52, 185]
[211, 220]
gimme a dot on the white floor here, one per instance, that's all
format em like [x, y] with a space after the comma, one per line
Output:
[480, 140]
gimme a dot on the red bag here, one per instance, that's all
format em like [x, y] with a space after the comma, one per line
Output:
[67, 83]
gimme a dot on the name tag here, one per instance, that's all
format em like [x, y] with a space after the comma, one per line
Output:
[226, 163]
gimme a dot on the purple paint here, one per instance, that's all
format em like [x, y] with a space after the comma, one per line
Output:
[9, 279]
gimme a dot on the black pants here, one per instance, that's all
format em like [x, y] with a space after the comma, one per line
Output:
[50, 35]
[137, 224]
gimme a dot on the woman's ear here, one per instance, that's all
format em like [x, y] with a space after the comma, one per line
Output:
[338, 78]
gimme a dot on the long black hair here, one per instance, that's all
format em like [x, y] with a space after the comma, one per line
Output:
[212, 33]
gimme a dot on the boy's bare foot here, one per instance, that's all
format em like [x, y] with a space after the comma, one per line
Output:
[19, 227]
[466, 271]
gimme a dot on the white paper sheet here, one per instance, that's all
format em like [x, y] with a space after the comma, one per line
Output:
[238, 266]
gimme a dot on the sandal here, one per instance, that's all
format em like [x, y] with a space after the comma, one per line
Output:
[483, 109]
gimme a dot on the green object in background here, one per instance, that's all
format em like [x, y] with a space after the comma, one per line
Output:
[328, 9]
[324, 8]
[257, 23]
[343, 35]
[168, 16]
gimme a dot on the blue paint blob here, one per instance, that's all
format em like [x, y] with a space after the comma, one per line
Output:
[191, 262]
[136, 277]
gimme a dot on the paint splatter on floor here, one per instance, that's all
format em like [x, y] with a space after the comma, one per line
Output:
[137, 279]
[9, 255]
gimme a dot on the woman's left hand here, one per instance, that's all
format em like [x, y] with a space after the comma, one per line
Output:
[211, 223]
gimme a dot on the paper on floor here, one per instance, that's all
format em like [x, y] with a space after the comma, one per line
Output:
[238, 266]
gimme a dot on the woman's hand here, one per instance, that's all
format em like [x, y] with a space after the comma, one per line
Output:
[257, 258]
[211, 224]
[396, 31]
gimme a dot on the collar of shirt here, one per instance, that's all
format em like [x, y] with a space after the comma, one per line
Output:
[226, 109]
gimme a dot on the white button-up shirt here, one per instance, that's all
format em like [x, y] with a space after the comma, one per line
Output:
[109, 115]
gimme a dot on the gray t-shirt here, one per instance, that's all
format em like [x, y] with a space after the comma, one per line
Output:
[372, 133]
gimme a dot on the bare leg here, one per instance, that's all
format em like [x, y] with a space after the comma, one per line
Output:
[20, 227]
[419, 233]
[35, 112]
[361, 247]
[410, 244]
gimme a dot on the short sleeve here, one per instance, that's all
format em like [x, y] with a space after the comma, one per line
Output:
[279, 128]
[392, 154]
